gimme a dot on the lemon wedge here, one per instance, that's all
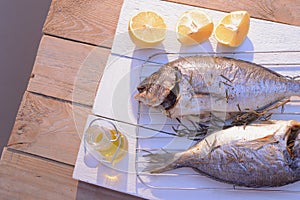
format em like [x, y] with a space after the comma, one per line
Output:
[233, 28]
[194, 27]
[147, 28]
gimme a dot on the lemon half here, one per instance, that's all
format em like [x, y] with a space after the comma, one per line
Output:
[147, 28]
[194, 27]
[233, 28]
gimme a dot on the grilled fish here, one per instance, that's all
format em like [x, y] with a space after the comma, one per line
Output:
[265, 155]
[200, 85]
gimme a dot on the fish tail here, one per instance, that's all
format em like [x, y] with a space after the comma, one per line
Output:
[159, 163]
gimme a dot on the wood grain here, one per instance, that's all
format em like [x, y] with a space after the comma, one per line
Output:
[90, 21]
[27, 177]
[284, 11]
[49, 127]
[67, 70]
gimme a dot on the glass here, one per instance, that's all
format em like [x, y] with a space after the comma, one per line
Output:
[105, 142]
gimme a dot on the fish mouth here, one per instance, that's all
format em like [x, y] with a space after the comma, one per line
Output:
[160, 89]
[293, 139]
[167, 98]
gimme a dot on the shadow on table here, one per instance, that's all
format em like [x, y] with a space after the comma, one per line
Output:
[243, 52]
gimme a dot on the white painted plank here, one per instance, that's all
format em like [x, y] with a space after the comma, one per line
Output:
[213, 193]
[114, 98]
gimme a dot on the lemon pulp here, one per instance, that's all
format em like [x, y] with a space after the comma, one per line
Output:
[194, 27]
[147, 28]
[233, 28]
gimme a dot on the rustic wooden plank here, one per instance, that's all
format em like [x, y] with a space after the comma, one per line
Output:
[27, 177]
[90, 21]
[68, 70]
[48, 127]
[284, 11]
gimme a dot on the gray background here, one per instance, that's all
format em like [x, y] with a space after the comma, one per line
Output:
[21, 23]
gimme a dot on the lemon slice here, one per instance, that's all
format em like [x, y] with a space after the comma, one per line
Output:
[233, 28]
[194, 27]
[147, 28]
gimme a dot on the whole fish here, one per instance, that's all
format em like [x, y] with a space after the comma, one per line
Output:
[196, 86]
[261, 155]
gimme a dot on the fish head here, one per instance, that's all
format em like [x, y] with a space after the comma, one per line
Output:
[292, 138]
[160, 89]
[296, 164]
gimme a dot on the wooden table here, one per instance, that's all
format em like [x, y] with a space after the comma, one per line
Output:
[39, 158]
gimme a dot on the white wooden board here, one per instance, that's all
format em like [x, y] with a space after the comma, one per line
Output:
[271, 44]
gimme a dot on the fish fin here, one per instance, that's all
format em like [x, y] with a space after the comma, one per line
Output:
[250, 63]
[159, 163]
